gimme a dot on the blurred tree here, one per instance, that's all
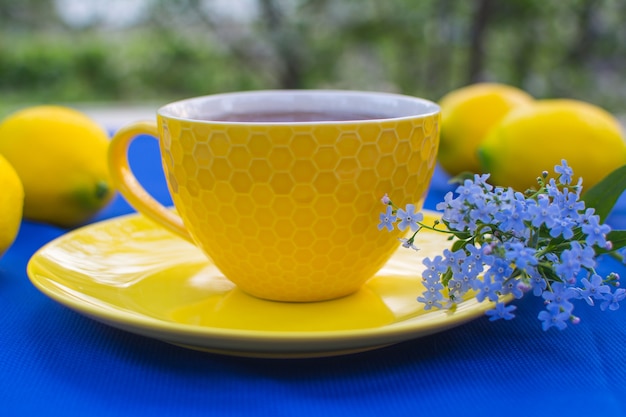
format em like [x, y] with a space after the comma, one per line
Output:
[482, 16]
[179, 48]
[28, 15]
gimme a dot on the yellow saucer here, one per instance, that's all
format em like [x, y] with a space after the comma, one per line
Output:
[131, 274]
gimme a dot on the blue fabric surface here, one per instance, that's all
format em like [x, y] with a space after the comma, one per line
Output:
[56, 362]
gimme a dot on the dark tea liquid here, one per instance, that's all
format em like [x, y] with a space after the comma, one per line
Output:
[294, 116]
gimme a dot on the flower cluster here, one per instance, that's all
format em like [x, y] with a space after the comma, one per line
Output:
[508, 243]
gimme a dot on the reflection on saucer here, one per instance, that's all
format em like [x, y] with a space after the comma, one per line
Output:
[199, 294]
[237, 310]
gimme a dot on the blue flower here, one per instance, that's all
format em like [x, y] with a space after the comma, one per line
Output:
[563, 226]
[449, 258]
[449, 203]
[387, 219]
[543, 212]
[585, 254]
[594, 289]
[432, 296]
[432, 286]
[499, 270]
[571, 206]
[569, 265]
[469, 191]
[537, 283]
[543, 240]
[513, 286]
[513, 217]
[408, 243]
[477, 258]
[501, 311]
[553, 318]
[558, 297]
[458, 286]
[520, 254]
[434, 267]
[596, 232]
[482, 211]
[431, 300]
[553, 191]
[409, 218]
[481, 181]
[457, 261]
[476, 253]
[487, 289]
[565, 171]
[611, 301]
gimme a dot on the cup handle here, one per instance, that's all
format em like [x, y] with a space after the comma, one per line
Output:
[128, 185]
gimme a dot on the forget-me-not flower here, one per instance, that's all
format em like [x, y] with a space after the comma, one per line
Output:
[506, 243]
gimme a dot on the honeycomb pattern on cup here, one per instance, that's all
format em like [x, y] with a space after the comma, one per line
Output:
[290, 212]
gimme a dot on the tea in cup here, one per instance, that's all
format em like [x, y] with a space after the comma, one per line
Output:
[281, 189]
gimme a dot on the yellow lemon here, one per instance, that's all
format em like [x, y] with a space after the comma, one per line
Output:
[533, 139]
[467, 114]
[60, 156]
[11, 204]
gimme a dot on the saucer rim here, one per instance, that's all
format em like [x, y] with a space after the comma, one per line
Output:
[237, 342]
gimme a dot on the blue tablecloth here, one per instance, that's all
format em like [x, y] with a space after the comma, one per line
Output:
[54, 361]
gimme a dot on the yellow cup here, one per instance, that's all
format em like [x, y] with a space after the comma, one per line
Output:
[282, 189]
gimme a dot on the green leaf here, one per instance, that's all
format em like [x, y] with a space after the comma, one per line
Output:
[446, 277]
[461, 177]
[459, 244]
[603, 196]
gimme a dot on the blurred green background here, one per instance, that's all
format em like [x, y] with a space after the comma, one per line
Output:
[155, 51]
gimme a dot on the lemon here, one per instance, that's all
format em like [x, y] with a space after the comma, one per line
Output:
[467, 115]
[11, 204]
[60, 156]
[533, 139]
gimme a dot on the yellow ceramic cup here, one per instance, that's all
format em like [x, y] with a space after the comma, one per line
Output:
[282, 189]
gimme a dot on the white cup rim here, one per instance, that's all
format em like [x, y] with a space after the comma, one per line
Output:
[388, 106]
